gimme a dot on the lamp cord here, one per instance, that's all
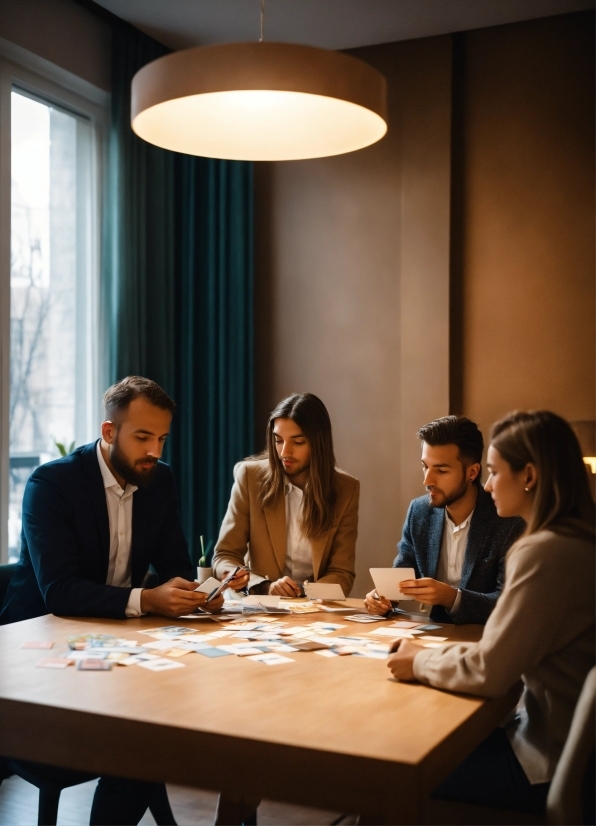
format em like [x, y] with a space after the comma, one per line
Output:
[262, 20]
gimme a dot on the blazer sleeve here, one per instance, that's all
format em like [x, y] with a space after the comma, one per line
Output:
[476, 607]
[406, 555]
[171, 557]
[54, 551]
[342, 557]
[234, 534]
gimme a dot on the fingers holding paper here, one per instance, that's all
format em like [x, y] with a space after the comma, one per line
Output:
[429, 591]
[401, 659]
[176, 597]
[376, 604]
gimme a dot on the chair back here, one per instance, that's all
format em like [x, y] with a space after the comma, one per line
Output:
[566, 795]
[6, 572]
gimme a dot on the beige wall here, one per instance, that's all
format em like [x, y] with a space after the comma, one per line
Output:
[393, 304]
[528, 241]
[352, 289]
[62, 32]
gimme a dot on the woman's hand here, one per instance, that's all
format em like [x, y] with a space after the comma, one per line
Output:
[240, 581]
[284, 587]
[375, 604]
[401, 660]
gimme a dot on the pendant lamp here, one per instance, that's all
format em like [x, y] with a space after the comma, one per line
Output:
[259, 102]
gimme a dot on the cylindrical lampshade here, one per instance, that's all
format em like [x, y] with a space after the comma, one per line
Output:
[259, 101]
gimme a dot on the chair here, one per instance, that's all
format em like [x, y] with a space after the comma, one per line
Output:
[51, 780]
[571, 796]
[571, 793]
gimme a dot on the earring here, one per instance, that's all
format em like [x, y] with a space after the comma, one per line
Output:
[527, 490]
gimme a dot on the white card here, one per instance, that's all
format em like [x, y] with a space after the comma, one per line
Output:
[327, 653]
[137, 659]
[164, 645]
[323, 590]
[433, 645]
[271, 659]
[209, 585]
[430, 638]
[161, 664]
[265, 600]
[395, 633]
[387, 581]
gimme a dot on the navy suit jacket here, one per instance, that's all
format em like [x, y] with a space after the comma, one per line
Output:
[483, 569]
[65, 542]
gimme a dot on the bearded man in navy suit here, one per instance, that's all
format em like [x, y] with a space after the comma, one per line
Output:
[452, 538]
[93, 523]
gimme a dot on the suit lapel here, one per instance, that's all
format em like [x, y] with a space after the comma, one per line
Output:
[318, 545]
[97, 495]
[433, 549]
[275, 516]
[477, 536]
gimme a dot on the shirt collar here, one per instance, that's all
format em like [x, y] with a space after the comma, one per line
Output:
[108, 477]
[289, 488]
[462, 525]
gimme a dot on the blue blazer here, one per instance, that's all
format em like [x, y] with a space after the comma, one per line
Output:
[483, 570]
[65, 542]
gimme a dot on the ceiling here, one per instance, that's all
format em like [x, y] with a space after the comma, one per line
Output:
[332, 24]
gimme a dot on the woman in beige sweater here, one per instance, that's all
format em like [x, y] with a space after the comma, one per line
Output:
[542, 629]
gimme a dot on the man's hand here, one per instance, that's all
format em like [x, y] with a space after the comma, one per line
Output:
[176, 597]
[284, 587]
[376, 604]
[429, 591]
[401, 661]
[240, 581]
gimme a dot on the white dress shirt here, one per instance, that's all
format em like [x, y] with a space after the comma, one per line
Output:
[119, 503]
[451, 559]
[298, 547]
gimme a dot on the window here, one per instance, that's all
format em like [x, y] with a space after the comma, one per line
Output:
[53, 290]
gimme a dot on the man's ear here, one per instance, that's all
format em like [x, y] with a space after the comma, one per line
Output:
[108, 432]
[473, 471]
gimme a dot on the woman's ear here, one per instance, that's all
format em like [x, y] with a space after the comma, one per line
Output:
[530, 477]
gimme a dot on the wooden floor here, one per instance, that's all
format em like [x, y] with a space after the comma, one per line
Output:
[18, 807]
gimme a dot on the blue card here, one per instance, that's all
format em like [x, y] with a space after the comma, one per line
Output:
[428, 627]
[213, 652]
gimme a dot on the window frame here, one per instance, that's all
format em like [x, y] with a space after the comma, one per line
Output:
[24, 72]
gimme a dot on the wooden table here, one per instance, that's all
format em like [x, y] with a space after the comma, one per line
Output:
[334, 733]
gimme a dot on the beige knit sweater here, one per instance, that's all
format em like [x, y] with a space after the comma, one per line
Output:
[541, 630]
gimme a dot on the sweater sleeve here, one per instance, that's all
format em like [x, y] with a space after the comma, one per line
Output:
[536, 600]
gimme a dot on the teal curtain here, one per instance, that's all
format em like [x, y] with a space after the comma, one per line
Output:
[178, 290]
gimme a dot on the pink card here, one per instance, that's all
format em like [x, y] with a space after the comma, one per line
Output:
[37, 644]
[53, 662]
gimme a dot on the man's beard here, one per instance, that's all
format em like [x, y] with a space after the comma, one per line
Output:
[130, 473]
[452, 498]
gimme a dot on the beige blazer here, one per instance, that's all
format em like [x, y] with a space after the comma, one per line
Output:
[542, 631]
[262, 531]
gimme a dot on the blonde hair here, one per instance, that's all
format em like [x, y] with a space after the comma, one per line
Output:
[563, 501]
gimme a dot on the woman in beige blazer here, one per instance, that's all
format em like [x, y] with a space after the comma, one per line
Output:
[291, 510]
[542, 629]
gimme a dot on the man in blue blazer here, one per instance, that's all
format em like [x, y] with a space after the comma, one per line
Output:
[453, 538]
[93, 523]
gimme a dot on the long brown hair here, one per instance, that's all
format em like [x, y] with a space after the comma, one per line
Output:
[311, 416]
[563, 502]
